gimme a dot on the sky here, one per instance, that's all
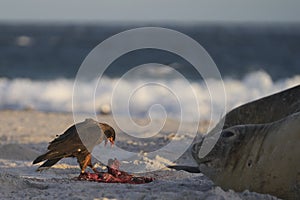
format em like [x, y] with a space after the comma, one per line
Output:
[150, 10]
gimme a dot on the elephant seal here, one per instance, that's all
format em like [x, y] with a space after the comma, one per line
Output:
[257, 148]
[259, 157]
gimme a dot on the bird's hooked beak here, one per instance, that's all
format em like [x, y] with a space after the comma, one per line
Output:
[111, 140]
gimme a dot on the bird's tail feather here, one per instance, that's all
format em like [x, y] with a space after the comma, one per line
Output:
[40, 159]
[48, 164]
[50, 155]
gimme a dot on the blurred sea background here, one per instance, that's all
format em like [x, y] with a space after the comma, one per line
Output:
[39, 62]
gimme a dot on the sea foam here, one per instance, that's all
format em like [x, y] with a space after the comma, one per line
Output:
[56, 95]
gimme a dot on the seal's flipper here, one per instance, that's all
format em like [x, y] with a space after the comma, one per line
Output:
[190, 169]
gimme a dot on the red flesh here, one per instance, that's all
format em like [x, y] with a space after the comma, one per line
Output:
[114, 175]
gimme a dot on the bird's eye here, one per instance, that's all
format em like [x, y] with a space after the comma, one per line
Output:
[227, 134]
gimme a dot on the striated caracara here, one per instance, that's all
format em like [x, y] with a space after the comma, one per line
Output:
[77, 141]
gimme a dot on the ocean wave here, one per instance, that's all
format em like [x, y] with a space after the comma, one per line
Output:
[56, 95]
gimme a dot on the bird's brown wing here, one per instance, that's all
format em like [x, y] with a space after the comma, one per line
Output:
[79, 137]
[63, 146]
[68, 140]
[91, 135]
[70, 144]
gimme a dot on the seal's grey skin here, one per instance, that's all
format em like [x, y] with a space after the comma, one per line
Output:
[259, 147]
[262, 158]
[265, 110]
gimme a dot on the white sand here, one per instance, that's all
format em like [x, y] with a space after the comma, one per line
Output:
[25, 134]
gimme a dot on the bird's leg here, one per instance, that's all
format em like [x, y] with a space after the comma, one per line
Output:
[93, 167]
[84, 162]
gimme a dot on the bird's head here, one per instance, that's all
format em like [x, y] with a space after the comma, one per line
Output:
[109, 132]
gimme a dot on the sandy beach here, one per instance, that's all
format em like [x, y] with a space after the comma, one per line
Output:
[25, 134]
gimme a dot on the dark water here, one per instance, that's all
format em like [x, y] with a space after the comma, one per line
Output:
[57, 51]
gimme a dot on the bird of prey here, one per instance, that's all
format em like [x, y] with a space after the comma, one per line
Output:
[77, 141]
